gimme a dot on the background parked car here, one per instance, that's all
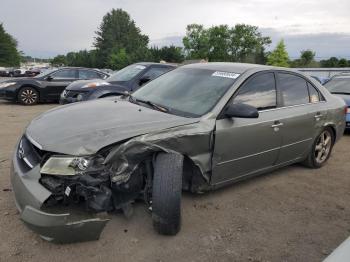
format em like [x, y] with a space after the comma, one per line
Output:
[18, 72]
[46, 86]
[33, 72]
[321, 80]
[128, 79]
[6, 72]
[339, 85]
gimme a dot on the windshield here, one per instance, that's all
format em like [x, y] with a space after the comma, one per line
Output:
[45, 73]
[126, 74]
[339, 85]
[192, 92]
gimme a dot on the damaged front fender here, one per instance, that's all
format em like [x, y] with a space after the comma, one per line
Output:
[194, 141]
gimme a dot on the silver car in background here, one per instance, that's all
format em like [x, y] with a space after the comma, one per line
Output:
[196, 128]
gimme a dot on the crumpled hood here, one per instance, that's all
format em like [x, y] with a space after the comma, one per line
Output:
[84, 128]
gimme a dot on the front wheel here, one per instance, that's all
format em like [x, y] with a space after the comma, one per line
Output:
[166, 193]
[28, 96]
[321, 149]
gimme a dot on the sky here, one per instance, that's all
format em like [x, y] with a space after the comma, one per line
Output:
[45, 28]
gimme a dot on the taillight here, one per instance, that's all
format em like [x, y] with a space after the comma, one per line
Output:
[346, 110]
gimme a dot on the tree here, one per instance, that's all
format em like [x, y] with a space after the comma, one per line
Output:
[118, 59]
[219, 45]
[241, 43]
[246, 40]
[279, 56]
[307, 57]
[9, 55]
[171, 54]
[59, 60]
[116, 32]
[343, 62]
[331, 62]
[196, 42]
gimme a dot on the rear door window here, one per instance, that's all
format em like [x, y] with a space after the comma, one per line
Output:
[259, 92]
[89, 74]
[294, 89]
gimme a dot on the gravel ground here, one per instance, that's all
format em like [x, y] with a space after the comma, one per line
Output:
[293, 214]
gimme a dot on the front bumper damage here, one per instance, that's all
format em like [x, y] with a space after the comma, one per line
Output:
[59, 226]
[129, 166]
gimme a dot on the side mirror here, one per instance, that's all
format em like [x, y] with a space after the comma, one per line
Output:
[144, 80]
[49, 78]
[241, 111]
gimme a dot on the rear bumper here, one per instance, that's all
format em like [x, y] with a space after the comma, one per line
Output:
[60, 226]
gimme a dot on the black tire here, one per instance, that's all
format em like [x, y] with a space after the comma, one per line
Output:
[166, 193]
[28, 96]
[312, 160]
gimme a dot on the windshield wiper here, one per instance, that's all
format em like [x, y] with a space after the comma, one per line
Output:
[154, 105]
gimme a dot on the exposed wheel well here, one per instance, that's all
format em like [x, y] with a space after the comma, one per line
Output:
[334, 132]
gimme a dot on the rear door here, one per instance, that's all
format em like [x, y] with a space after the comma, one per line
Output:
[300, 115]
[244, 146]
[58, 81]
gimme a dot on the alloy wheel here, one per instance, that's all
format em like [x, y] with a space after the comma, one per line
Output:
[323, 147]
[29, 96]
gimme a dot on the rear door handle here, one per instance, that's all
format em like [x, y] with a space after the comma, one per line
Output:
[277, 124]
[318, 116]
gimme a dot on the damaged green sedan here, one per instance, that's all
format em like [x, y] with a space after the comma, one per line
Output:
[197, 128]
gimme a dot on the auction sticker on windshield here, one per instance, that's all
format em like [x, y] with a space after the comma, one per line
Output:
[225, 74]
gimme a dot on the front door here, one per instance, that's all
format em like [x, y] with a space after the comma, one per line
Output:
[58, 81]
[244, 146]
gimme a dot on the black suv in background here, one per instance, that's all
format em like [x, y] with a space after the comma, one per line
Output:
[128, 79]
[46, 86]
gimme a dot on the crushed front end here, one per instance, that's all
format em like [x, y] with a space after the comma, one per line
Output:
[68, 199]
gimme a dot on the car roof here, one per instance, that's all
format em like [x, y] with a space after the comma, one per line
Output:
[235, 67]
[153, 63]
[77, 67]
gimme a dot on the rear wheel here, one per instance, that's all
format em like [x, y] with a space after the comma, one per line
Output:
[321, 149]
[166, 193]
[28, 96]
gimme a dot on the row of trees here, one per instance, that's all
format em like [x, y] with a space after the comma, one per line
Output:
[241, 43]
[119, 42]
